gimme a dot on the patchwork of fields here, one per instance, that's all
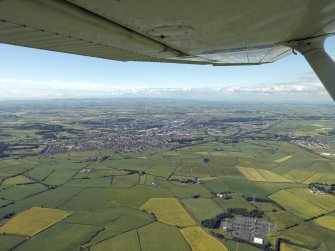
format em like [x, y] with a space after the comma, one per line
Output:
[158, 200]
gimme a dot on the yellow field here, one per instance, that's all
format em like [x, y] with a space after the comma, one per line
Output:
[283, 159]
[200, 240]
[251, 174]
[328, 178]
[296, 205]
[298, 175]
[169, 211]
[33, 221]
[273, 177]
[325, 201]
[262, 175]
[288, 247]
[20, 179]
[327, 221]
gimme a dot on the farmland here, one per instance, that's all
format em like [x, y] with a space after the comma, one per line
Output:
[296, 204]
[327, 221]
[146, 176]
[33, 221]
[199, 240]
[169, 211]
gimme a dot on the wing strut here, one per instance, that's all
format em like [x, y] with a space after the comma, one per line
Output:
[322, 64]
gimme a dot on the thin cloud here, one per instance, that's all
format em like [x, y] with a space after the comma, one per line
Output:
[308, 87]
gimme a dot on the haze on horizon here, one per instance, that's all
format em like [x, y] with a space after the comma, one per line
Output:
[36, 74]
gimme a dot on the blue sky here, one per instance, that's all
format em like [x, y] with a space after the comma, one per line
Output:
[30, 73]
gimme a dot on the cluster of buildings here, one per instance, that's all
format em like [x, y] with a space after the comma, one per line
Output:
[139, 134]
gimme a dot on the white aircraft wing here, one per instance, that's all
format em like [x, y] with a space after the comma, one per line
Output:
[217, 32]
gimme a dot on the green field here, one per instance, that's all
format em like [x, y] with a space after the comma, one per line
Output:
[127, 241]
[202, 208]
[158, 236]
[127, 175]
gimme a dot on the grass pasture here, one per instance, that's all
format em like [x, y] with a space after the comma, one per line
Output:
[125, 181]
[202, 208]
[289, 247]
[282, 219]
[296, 205]
[200, 240]
[127, 241]
[31, 222]
[94, 182]
[169, 211]
[62, 236]
[7, 242]
[19, 192]
[121, 225]
[59, 176]
[20, 179]
[161, 237]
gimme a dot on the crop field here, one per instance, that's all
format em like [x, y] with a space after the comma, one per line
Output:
[199, 240]
[298, 175]
[202, 208]
[327, 221]
[169, 211]
[283, 159]
[251, 174]
[325, 201]
[296, 204]
[33, 221]
[327, 178]
[273, 177]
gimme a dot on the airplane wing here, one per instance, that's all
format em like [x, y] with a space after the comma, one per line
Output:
[217, 32]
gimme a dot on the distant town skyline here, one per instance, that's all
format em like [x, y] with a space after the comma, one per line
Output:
[27, 73]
